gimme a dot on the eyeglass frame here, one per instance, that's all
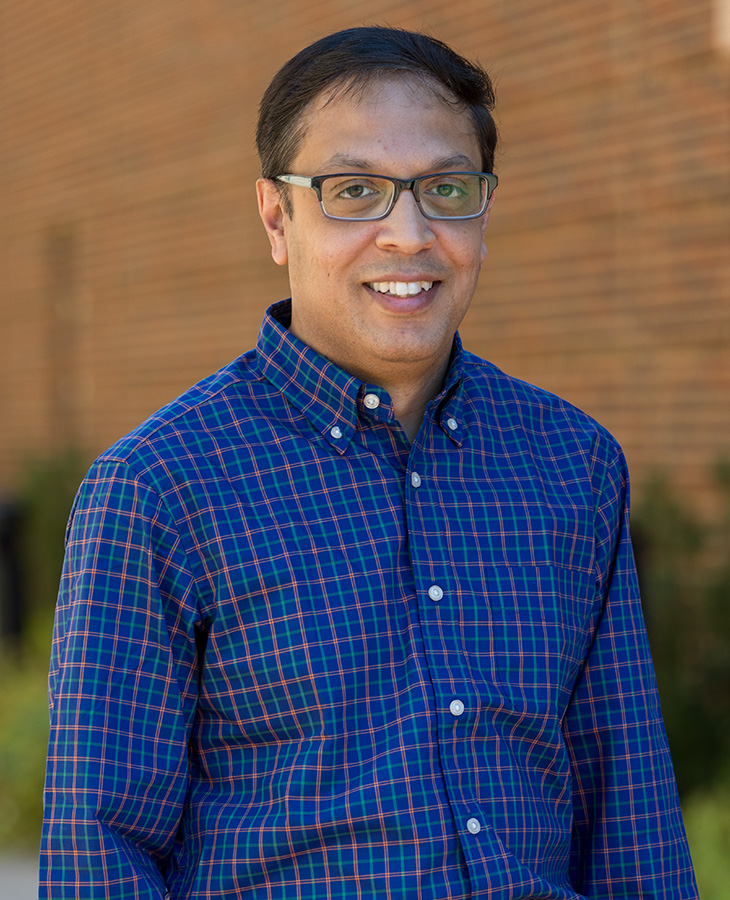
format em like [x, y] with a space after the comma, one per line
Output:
[400, 184]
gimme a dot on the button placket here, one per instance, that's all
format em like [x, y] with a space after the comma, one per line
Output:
[432, 568]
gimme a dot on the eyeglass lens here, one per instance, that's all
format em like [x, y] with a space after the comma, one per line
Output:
[365, 196]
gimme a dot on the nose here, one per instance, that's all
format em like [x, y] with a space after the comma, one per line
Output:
[405, 229]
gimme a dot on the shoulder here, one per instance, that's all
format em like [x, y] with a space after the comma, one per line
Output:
[188, 425]
[533, 406]
[513, 406]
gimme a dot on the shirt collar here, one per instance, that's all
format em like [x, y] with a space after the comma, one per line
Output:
[327, 395]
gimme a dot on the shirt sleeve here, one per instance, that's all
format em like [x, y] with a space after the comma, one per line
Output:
[122, 690]
[629, 839]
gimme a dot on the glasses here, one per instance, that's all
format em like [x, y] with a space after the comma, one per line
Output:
[367, 198]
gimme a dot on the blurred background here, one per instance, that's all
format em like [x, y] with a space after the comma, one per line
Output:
[133, 263]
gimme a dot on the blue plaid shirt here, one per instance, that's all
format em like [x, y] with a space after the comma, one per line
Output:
[295, 657]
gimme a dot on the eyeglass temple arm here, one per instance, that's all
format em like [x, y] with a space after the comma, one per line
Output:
[299, 180]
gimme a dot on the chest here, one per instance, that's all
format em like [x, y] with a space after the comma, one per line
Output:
[337, 583]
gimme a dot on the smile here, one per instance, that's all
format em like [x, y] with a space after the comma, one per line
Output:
[400, 288]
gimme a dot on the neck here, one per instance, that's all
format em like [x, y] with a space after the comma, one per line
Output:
[411, 397]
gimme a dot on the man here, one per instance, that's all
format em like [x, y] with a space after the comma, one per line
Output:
[357, 616]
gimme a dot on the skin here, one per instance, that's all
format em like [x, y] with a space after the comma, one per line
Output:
[397, 126]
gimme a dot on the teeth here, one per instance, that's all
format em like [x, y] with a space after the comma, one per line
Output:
[401, 288]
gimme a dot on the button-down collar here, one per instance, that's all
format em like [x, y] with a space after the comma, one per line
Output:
[328, 396]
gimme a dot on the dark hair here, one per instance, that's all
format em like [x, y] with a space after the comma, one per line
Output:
[352, 59]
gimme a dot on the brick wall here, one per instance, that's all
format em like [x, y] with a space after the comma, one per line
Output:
[133, 262]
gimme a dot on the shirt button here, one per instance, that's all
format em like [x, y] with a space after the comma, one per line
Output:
[415, 479]
[452, 424]
[456, 707]
[372, 401]
[336, 432]
[474, 826]
[435, 593]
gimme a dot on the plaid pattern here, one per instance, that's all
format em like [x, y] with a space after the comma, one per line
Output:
[264, 625]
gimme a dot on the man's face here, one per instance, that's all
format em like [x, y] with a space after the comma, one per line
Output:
[395, 127]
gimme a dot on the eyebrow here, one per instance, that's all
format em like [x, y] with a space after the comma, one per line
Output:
[347, 163]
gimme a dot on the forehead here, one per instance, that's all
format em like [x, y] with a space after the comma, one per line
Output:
[386, 119]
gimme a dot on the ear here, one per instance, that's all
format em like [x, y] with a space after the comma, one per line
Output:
[274, 217]
[485, 219]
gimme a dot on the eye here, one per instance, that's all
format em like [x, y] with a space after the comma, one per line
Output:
[452, 194]
[356, 190]
[447, 190]
[353, 196]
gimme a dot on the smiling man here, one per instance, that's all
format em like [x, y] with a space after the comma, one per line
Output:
[357, 616]
[382, 295]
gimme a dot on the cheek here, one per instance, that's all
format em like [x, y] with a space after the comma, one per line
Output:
[310, 260]
[477, 253]
[331, 257]
[463, 246]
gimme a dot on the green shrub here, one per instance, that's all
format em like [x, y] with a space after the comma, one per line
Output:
[23, 742]
[707, 817]
[684, 572]
[46, 494]
[48, 488]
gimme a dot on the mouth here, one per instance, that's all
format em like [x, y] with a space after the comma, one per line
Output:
[400, 288]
